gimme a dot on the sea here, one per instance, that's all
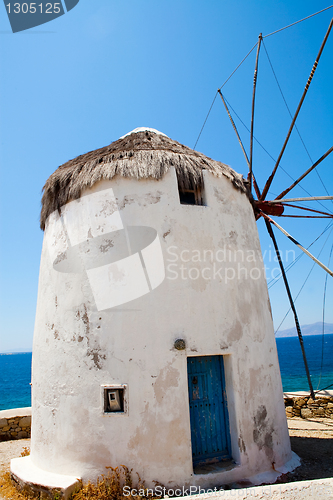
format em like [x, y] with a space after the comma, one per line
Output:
[15, 369]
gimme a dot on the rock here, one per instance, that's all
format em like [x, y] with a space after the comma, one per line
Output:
[329, 405]
[319, 411]
[25, 422]
[22, 434]
[5, 429]
[301, 402]
[306, 413]
[3, 422]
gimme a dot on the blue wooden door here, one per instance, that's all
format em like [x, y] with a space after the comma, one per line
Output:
[210, 434]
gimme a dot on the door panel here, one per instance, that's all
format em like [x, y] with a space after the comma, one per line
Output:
[208, 409]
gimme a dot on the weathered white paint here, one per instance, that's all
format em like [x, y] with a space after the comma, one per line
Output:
[78, 348]
[82, 223]
[36, 480]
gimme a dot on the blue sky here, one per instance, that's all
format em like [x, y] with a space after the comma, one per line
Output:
[108, 66]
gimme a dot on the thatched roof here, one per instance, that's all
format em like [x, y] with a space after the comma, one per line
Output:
[141, 154]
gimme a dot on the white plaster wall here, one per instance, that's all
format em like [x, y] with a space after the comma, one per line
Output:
[77, 348]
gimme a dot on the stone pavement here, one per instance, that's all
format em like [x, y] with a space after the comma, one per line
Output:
[320, 489]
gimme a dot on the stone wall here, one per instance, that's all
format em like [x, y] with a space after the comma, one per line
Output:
[306, 407]
[15, 424]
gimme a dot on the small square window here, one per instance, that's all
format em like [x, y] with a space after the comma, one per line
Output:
[114, 399]
[187, 197]
[191, 195]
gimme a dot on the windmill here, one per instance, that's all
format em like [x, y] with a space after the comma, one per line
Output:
[275, 207]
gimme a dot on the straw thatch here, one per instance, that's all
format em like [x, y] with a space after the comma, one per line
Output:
[140, 155]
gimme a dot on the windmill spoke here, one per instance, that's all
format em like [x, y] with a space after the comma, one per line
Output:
[257, 190]
[298, 244]
[307, 209]
[312, 198]
[292, 305]
[252, 113]
[308, 216]
[255, 185]
[270, 179]
[235, 128]
[286, 191]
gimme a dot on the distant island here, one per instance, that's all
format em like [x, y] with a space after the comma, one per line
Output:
[17, 350]
[314, 329]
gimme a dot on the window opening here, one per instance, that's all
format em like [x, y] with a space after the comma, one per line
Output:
[193, 196]
[114, 400]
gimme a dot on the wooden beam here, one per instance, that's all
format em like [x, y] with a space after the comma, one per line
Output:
[298, 244]
[292, 305]
[270, 179]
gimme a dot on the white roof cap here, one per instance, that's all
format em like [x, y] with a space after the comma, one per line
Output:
[143, 129]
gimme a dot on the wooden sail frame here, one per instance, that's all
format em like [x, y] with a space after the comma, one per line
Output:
[266, 208]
